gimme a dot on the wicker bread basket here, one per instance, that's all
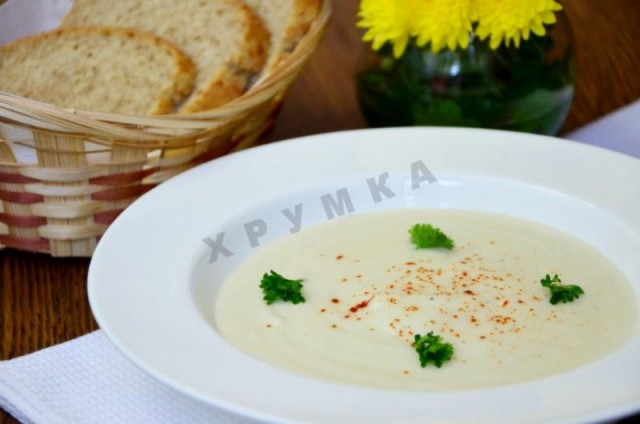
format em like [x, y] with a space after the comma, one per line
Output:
[65, 175]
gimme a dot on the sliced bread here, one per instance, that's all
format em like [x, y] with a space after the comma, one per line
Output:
[288, 21]
[98, 69]
[225, 38]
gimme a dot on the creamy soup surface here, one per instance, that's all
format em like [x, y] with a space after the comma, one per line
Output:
[368, 292]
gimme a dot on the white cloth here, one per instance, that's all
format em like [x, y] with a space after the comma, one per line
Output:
[19, 18]
[88, 380]
[618, 131]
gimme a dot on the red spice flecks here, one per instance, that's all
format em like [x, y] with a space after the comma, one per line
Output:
[409, 263]
[339, 257]
[501, 319]
[335, 300]
[469, 292]
[505, 303]
[360, 305]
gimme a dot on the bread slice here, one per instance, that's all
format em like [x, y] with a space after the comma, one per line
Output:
[225, 38]
[98, 69]
[288, 21]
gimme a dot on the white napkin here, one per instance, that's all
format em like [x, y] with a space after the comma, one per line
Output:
[88, 380]
[19, 18]
[618, 131]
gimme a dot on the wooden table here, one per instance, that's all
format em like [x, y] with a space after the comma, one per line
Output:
[43, 301]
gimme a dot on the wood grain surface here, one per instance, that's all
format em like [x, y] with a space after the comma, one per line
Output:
[43, 300]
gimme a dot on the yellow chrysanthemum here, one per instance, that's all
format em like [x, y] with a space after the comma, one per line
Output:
[443, 23]
[512, 20]
[387, 21]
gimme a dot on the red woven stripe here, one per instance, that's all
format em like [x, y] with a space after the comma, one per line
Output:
[122, 192]
[276, 110]
[266, 130]
[124, 178]
[6, 177]
[24, 198]
[217, 151]
[106, 217]
[22, 221]
[25, 244]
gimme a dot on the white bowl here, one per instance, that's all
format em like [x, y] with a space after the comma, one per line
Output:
[151, 281]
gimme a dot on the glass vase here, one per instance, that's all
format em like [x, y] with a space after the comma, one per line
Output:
[529, 88]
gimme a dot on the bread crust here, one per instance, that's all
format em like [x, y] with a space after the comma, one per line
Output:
[231, 81]
[303, 13]
[183, 76]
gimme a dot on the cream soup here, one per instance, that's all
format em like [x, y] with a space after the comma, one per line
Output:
[369, 291]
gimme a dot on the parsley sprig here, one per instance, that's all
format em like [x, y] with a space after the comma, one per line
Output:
[425, 236]
[432, 349]
[276, 287]
[561, 293]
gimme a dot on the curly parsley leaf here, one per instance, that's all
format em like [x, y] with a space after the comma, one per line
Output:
[432, 349]
[561, 293]
[276, 287]
[425, 236]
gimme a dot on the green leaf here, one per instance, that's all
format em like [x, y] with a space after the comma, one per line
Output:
[432, 349]
[426, 236]
[561, 293]
[547, 281]
[443, 113]
[275, 287]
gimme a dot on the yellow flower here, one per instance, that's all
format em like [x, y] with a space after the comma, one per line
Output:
[443, 23]
[387, 21]
[449, 23]
[512, 20]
